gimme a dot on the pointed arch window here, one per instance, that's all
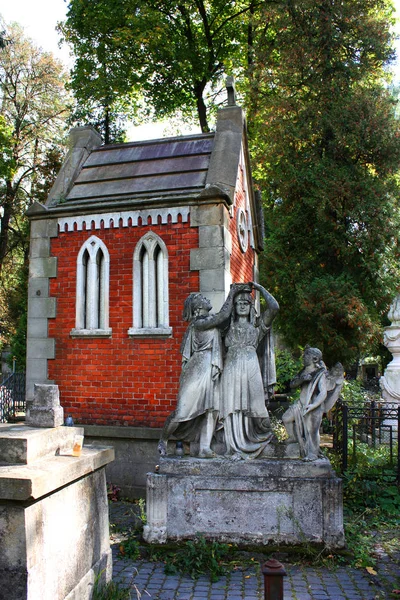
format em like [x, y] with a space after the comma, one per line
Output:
[150, 288]
[92, 290]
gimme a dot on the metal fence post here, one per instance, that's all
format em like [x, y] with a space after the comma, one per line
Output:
[373, 431]
[398, 445]
[345, 411]
[274, 573]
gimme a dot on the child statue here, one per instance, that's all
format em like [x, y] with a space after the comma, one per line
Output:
[319, 390]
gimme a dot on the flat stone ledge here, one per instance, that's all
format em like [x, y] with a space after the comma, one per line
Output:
[91, 333]
[150, 332]
[221, 467]
[116, 431]
[24, 444]
[24, 482]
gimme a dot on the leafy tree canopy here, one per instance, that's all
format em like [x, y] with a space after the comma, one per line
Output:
[171, 53]
[33, 110]
[327, 148]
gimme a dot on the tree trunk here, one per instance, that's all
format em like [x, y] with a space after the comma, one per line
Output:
[107, 126]
[4, 222]
[201, 107]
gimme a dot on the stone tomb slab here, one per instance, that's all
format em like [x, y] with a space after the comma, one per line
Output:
[22, 444]
[247, 502]
[54, 533]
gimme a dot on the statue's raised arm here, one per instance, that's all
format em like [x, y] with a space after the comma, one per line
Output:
[269, 314]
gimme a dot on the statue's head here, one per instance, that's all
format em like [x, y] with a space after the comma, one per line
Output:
[244, 304]
[195, 304]
[312, 356]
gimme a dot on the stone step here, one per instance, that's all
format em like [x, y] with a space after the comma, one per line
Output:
[22, 444]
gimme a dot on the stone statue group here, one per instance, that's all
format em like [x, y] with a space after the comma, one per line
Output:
[221, 385]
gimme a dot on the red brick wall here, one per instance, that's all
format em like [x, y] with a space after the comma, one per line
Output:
[241, 263]
[120, 380]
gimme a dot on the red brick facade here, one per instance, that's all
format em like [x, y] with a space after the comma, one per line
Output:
[242, 264]
[120, 380]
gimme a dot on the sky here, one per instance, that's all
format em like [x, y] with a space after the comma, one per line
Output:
[40, 17]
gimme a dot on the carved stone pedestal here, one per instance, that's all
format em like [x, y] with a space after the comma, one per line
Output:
[258, 501]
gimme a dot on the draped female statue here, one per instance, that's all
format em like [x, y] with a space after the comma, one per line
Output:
[243, 411]
[198, 400]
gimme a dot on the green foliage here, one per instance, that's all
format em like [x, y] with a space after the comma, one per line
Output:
[196, 557]
[371, 501]
[109, 591]
[32, 117]
[142, 510]
[172, 53]
[287, 366]
[327, 147]
[130, 548]
[278, 429]
[7, 161]
[354, 394]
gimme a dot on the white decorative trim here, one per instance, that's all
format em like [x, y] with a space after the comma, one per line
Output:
[150, 283]
[92, 333]
[242, 229]
[92, 287]
[150, 332]
[124, 219]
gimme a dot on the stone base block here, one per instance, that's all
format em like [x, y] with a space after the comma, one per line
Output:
[22, 444]
[260, 501]
[54, 531]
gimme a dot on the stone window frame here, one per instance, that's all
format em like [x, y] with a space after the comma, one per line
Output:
[92, 290]
[150, 288]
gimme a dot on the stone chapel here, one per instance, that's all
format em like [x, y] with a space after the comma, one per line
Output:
[127, 232]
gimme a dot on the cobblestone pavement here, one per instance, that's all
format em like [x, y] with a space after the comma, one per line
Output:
[148, 580]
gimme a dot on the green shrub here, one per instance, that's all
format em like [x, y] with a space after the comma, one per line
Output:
[109, 591]
[354, 394]
[287, 366]
[196, 557]
[130, 548]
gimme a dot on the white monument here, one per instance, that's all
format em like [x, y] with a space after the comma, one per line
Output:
[390, 381]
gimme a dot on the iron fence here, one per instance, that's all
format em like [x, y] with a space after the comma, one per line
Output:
[374, 424]
[12, 397]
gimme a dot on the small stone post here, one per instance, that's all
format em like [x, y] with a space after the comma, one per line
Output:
[45, 410]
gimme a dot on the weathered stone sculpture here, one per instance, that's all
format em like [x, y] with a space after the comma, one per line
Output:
[243, 412]
[276, 497]
[236, 396]
[198, 398]
[319, 390]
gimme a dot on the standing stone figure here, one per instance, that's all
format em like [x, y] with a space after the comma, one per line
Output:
[245, 418]
[198, 402]
[319, 390]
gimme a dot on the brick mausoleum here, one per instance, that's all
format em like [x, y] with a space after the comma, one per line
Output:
[128, 231]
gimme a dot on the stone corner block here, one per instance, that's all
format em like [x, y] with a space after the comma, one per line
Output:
[209, 214]
[45, 417]
[41, 348]
[43, 267]
[42, 308]
[44, 228]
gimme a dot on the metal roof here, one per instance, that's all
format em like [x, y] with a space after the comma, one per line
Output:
[163, 167]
